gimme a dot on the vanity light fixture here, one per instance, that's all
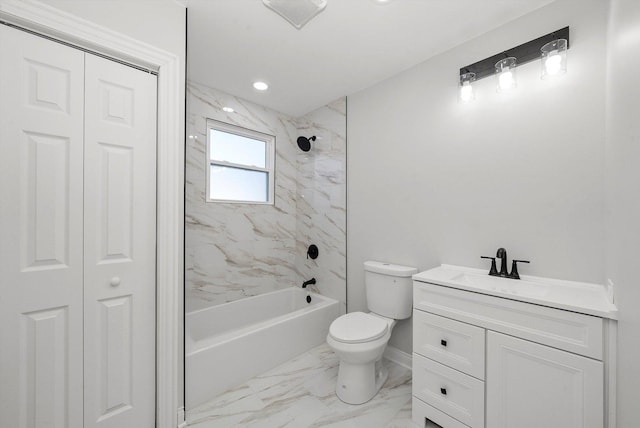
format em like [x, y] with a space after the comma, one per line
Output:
[551, 48]
[466, 89]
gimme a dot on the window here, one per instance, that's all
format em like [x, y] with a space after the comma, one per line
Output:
[240, 164]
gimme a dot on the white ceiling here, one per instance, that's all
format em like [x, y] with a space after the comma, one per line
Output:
[351, 45]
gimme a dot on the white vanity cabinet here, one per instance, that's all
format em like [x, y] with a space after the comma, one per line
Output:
[495, 357]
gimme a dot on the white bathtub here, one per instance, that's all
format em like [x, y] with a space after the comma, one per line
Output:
[228, 344]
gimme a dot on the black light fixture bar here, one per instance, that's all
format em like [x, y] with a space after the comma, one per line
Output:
[524, 53]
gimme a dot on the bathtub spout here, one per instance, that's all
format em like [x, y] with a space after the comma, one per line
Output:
[312, 281]
[311, 285]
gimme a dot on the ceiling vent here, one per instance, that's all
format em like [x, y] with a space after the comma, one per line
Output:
[297, 12]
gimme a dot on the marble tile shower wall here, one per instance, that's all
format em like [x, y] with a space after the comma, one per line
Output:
[234, 251]
[237, 250]
[321, 200]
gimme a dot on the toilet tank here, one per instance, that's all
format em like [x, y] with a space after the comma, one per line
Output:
[389, 289]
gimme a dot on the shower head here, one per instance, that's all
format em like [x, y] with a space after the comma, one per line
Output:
[305, 143]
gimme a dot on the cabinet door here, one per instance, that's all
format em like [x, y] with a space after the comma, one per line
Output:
[120, 237]
[41, 150]
[531, 386]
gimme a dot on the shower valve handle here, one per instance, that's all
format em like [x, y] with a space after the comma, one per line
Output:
[312, 251]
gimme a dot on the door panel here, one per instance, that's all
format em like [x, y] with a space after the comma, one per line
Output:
[114, 356]
[530, 386]
[116, 194]
[41, 162]
[44, 368]
[119, 276]
[44, 161]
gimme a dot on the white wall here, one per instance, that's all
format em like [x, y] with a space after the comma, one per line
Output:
[623, 190]
[432, 180]
[160, 23]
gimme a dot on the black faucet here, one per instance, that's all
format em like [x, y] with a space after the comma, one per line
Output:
[502, 255]
[310, 282]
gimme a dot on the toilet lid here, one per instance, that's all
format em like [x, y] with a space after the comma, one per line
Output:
[358, 327]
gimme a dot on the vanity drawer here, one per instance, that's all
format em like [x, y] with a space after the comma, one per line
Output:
[454, 393]
[421, 412]
[570, 331]
[452, 343]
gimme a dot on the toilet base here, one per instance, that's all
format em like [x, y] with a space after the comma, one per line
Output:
[359, 383]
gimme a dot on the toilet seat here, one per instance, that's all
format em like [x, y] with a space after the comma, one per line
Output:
[358, 327]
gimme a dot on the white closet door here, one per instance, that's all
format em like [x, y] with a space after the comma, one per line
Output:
[119, 244]
[41, 156]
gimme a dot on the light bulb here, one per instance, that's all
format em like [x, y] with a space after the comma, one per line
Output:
[506, 73]
[466, 92]
[554, 58]
[505, 80]
[553, 64]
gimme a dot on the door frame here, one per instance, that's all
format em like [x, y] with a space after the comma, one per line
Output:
[51, 22]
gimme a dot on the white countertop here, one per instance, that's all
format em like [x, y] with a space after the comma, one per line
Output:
[582, 297]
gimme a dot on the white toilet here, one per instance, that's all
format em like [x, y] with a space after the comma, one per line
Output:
[360, 338]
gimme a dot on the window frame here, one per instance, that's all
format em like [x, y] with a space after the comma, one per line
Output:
[270, 155]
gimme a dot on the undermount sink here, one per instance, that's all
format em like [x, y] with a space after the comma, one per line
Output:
[502, 285]
[591, 299]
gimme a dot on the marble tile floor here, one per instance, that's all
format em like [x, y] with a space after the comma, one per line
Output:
[300, 394]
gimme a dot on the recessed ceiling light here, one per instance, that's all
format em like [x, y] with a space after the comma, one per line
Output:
[261, 86]
[228, 109]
